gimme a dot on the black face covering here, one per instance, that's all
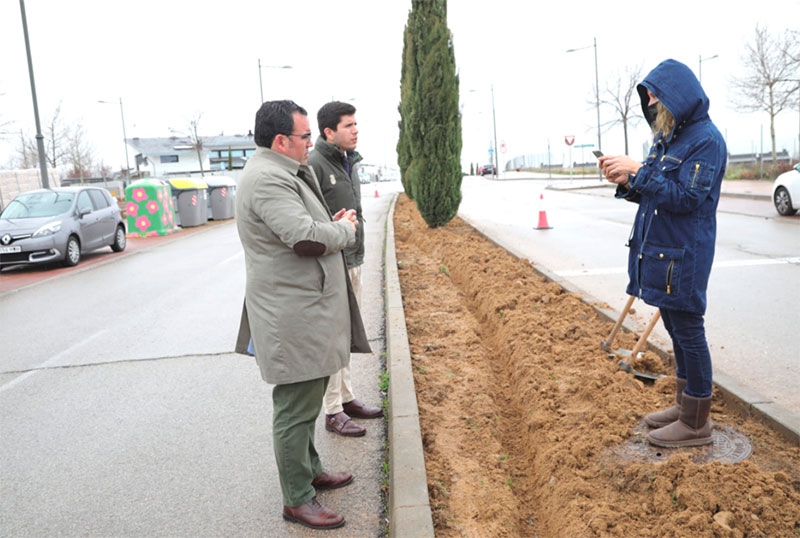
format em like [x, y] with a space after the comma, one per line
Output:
[652, 111]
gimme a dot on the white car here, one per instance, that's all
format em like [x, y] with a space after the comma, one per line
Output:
[786, 192]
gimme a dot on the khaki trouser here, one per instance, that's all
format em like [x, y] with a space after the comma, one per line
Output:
[295, 408]
[340, 386]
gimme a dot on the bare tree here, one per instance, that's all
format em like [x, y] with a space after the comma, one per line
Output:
[78, 154]
[194, 138]
[27, 154]
[56, 137]
[197, 141]
[66, 147]
[624, 99]
[770, 82]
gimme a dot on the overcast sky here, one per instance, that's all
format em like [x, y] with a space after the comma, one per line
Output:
[172, 60]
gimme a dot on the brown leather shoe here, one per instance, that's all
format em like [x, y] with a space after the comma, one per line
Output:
[359, 410]
[343, 425]
[327, 480]
[313, 515]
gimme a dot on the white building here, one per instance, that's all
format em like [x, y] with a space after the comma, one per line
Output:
[177, 155]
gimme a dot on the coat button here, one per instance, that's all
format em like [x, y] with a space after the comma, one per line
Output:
[661, 256]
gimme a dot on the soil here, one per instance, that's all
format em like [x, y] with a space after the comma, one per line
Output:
[522, 413]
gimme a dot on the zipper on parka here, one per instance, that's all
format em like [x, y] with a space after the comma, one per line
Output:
[669, 276]
[646, 224]
[696, 171]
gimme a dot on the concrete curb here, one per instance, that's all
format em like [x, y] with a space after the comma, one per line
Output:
[409, 507]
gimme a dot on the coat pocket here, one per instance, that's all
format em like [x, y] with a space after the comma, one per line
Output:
[702, 176]
[661, 269]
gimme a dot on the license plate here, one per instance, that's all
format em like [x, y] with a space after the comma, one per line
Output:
[10, 250]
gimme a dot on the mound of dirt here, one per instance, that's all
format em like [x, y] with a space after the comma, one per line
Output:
[522, 412]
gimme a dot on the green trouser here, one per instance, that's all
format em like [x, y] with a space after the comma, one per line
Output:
[295, 408]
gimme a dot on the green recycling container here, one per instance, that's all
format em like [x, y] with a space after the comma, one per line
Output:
[149, 208]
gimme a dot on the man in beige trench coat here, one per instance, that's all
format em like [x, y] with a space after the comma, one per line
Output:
[299, 311]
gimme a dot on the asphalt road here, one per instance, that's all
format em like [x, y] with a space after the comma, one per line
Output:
[123, 412]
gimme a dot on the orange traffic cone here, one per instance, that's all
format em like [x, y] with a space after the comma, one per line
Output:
[376, 193]
[542, 215]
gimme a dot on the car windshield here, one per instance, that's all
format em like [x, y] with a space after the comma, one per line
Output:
[38, 204]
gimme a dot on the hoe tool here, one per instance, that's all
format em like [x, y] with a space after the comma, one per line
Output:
[637, 349]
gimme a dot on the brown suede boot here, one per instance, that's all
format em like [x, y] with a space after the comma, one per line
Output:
[659, 419]
[691, 429]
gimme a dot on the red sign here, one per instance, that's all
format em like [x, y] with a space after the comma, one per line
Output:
[569, 139]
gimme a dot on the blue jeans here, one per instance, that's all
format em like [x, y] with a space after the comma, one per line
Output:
[689, 344]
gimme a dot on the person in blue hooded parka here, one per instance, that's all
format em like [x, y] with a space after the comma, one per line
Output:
[672, 241]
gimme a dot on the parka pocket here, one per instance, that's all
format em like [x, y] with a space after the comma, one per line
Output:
[661, 269]
[670, 166]
[701, 176]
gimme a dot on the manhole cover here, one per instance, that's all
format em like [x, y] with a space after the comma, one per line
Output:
[729, 446]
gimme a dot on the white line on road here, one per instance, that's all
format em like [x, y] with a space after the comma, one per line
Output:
[52, 360]
[232, 258]
[567, 273]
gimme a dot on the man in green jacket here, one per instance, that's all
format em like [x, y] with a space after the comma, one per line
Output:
[334, 161]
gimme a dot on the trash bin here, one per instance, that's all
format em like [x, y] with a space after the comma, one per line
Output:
[221, 197]
[191, 201]
[149, 208]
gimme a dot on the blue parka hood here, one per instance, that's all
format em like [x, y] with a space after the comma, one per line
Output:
[675, 85]
[677, 189]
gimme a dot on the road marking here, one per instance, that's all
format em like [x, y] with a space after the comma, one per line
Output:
[52, 360]
[232, 258]
[600, 271]
[764, 261]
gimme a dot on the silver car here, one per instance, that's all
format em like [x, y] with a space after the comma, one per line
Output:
[59, 225]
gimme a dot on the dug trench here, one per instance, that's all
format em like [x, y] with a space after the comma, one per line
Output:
[522, 413]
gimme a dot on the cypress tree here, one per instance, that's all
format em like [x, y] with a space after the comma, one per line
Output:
[408, 78]
[429, 148]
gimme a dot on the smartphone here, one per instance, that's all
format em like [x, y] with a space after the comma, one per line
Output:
[597, 153]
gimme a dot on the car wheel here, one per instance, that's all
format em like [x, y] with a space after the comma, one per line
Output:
[783, 202]
[73, 252]
[119, 240]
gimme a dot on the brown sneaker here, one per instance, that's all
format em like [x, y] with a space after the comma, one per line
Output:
[313, 515]
[343, 425]
[359, 410]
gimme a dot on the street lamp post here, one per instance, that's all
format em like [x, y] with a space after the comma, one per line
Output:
[596, 90]
[494, 132]
[39, 136]
[124, 135]
[700, 61]
[260, 84]
[493, 150]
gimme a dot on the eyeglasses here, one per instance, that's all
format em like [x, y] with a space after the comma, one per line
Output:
[306, 136]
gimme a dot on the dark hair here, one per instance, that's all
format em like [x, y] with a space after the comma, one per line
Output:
[274, 118]
[331, 113]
